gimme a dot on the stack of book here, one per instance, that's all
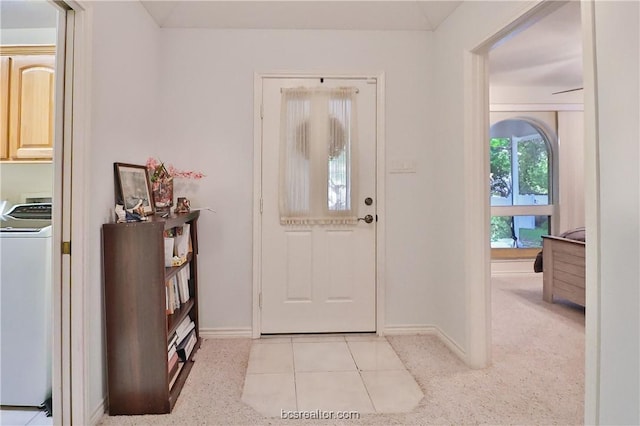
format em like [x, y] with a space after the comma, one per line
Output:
[177, 290]
[179, 348]
[174, 365]
[186, 338]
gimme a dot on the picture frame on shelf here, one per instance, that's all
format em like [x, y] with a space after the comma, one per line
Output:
[132, 186]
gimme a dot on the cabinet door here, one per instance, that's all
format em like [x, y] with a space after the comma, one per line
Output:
[4, 107]
[31, 107]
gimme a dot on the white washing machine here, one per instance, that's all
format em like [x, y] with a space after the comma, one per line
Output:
[25, 305]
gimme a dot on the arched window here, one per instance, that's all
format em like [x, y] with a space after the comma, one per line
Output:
[521, 153]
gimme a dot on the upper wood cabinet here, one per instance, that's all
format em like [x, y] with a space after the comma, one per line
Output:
[4, 107]
[28, 80]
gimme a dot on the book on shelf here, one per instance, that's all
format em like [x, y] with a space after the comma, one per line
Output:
[176, 294]
[184, 328]
[173, 295]
[183, 241]
[168, 304]
[172, 340]
[171, 351]
[183, 285]
[185, 347]
[173, 376]
[173, 361]
[169, 248]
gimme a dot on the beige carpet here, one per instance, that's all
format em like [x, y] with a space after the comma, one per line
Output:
[537, 376]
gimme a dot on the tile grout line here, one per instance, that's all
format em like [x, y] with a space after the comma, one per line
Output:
[295, 377]
[375, 410]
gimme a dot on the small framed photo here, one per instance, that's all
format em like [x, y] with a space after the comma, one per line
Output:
[132, 187]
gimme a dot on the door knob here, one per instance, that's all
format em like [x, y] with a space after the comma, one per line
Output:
[368, 218]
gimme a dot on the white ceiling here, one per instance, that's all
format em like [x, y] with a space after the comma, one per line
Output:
[549, 53]
[326, 14]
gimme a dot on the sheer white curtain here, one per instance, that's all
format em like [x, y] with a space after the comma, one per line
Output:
[317, 156]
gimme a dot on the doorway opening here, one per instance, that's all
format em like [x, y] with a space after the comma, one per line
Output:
[42, 139]
[482, 99]
[29, 47]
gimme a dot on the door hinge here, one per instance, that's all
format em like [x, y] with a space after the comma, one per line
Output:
[261, 111]
[261, 205]
[66, 247]
[260, 300]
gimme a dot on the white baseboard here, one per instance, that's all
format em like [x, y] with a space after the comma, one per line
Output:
[451, 344]
[98, 412]
[510, 267]
[225, 332]
[246, 332]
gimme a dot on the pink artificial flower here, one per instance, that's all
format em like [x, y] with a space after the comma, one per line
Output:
[157, 169]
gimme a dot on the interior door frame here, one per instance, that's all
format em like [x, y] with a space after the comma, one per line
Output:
[259, 78]
[69, 379]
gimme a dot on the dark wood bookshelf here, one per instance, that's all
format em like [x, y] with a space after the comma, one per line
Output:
[137, 323]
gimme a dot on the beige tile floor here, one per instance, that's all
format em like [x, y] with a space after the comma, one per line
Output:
[330, 373]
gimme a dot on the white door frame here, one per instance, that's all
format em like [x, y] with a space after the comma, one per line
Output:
[477, 211]
[69, 378]
[257, 187]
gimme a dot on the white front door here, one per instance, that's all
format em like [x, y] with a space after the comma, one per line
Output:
[319, 277]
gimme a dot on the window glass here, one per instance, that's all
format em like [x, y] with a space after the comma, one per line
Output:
[520, 182]
[339, 164]
[518, 231]
[500, 158]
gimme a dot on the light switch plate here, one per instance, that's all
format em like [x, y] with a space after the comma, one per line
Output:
[402, 165]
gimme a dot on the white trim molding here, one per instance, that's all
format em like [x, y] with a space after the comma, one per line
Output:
[535, 107]
[477, 210]
[225, 333]
[592, 218]
[512, 267]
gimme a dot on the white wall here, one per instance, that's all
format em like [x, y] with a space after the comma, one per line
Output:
[28, 36]
[618, 93]
[125, 126]
[571, 169]
[532, 95]
[207, 101]
[19, 180]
